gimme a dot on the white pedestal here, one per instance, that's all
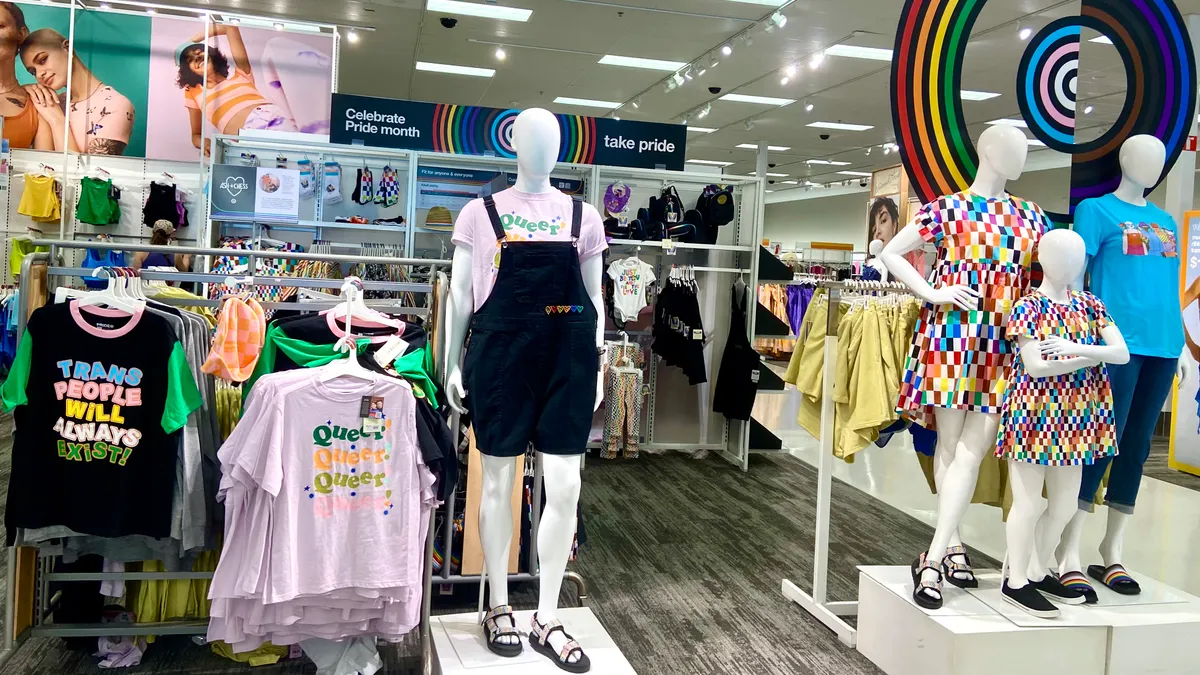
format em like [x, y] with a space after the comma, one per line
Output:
[461, 647]
[965, 637]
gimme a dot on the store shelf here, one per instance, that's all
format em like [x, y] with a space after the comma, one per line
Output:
[679, 245]
[313, 225]
[768, 325]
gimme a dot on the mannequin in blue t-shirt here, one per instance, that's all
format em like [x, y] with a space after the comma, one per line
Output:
[1133, 266]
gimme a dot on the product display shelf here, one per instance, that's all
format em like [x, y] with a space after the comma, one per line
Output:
[769, 271]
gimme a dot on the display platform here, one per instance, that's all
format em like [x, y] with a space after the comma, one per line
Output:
[461, 647]
[1108, 611]
[965, 637]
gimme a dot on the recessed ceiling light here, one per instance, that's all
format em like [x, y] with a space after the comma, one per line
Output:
[1025, 33]
[1102, 40]
[791, 70]
[808, 107]
[701, 130]
[645, 64]
[501, 54]
[772, 148]
[1088, 110]
[587, 102]
[1008, 121]
[827, 161]
[773, 175]
[727, 49]
[784, 80]
[762, 100]
[709, 162]
[451, 69]
[860, 174]
[352, 35]
[853, 52]
[477, 9]
[839, 126]
[968, 95]
[816, 60]
[790, 182]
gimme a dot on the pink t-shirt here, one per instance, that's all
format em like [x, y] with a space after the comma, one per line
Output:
[525, 217]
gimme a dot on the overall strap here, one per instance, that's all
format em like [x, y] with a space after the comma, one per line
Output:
[576, 218]
[494, 216]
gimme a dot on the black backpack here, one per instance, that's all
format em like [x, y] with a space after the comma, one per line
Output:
[651, 229]
[715, 205]
[667, 208]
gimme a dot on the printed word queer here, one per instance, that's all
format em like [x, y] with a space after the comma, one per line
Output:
[325, 435]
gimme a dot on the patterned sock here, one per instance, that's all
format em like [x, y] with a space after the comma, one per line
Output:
[333, 183]
[366, 186]
[308, 186]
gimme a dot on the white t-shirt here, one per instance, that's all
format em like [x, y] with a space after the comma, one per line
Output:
[631, 277]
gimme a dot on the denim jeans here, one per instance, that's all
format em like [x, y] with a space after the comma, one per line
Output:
[1140, 388]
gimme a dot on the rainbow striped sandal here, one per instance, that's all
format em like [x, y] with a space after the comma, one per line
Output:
[1077, 582]
[1115, 577]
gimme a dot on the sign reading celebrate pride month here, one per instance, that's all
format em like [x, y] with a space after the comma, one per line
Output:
[472, 130]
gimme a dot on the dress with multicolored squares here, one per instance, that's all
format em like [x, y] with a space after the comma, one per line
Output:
[1064, 420]
[960, 359]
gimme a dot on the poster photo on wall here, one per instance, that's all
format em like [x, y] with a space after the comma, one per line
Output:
[889, 210]
[137, 82]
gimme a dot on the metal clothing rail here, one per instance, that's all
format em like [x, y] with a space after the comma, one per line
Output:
[437, 291]
[817, 603]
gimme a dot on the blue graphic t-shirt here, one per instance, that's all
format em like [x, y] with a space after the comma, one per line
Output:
[1133, 266]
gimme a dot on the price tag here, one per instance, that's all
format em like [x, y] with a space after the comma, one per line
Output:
[697, 334]
[755, 376]
[669, 247]
[391, 349]
[371, 412]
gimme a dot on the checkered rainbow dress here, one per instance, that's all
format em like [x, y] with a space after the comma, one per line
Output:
[1067, 419]
[961, 359]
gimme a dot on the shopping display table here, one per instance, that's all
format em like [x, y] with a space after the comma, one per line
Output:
[977, 633]
[461, 647]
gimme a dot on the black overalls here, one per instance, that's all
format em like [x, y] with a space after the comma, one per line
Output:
[737, 381]
[531, 364]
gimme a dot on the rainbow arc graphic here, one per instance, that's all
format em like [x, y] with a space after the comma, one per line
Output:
[472, 130]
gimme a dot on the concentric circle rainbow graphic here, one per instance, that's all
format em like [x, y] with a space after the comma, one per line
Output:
[1047, 81]
[928, 118]
[470, 130]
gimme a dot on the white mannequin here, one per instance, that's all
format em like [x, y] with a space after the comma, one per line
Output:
[1062, 255]
[873, 261]
[964, 437]
[536, 138]
[1143, 158]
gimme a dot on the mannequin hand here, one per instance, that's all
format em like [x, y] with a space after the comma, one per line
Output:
[599, 393]
[1056, 346]
[455, 391]
[1181, 370]
[963, 297]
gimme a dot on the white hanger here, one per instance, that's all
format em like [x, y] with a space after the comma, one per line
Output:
[354, 307]
[349, 366]
[110, 298]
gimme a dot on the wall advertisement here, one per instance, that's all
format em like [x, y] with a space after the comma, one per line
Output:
[1185, 422]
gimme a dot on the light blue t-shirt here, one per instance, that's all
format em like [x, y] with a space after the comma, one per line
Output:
[1133, 267]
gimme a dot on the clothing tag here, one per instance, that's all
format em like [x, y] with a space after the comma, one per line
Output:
[371, 412]
[392, 348]
[754, 376]
[645, 390]
[370, 426]
[669, 247]
[697, 334]
[114, 193]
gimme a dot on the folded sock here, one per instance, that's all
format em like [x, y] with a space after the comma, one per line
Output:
[308, 186]
[333, 183]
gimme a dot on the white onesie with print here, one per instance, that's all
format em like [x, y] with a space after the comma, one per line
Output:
[631, 278]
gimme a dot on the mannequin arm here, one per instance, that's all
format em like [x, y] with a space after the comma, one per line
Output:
[592, 271]
[1112, 351]
[1035, 365]
[909, 239]
[462, 307]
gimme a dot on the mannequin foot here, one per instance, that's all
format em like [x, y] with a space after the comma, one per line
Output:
[1116, 578]
[1053, 588]
[927, 583]
[551, 640]
[1028, 599]
[1076, 581]
[500, 631]
[958, 568]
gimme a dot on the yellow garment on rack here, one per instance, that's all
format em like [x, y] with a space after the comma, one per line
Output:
[155, 601]
[229, 407]
[266, 655]
[40, 199]
[176, 293]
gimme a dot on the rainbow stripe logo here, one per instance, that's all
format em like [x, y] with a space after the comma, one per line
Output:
[472, 130]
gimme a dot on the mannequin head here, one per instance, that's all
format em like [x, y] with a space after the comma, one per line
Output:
[537, 139]
[1062, 255]
[1142, 160]
[1003, 149]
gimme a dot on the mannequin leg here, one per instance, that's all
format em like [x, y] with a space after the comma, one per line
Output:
[1026, 480]
[974, 435]
[495, 530]
[1113, 545]
[1062, 486]
[556, 532]
[943, 456]
[1067, 552]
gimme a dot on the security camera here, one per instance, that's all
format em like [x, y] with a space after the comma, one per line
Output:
[449, 22]
[714, 90]
[771, 165]
[862, 183]
[824, 137]
[770, 182]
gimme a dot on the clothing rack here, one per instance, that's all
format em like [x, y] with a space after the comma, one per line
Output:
[437, 291]
[817, 602]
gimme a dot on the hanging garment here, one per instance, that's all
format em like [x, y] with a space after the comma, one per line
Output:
[364, 187]
[162, 204]
[632, 280]
[1063, 420]
[959, 359]
[679, 330]
[19, 247]
[238, 341]
[387, 194]
[623, 400]
[737, 380]
[531, 361]
[40, 200]
[97, 203]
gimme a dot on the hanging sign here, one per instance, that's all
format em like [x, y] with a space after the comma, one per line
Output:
[472, 130]
[255, 193]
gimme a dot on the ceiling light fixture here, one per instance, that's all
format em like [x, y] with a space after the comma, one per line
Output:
[779, 19]
[808, 107]
[748, 125]
[713, 62]
[451, 69]
[968, 95]
[869, 151]
[151, 10]
[278, 26]
[501, 54]
[784, 80]
[761, 100]
[840, 126]
[816, 60]
[827, 161]
[687, 74]
[701, 130]
[861, 174]
[855, 52]
[887, 149]
[587, 102]
[644, 64]
[678, 80]
[1008, 121]
[773, 175]
[709, 162]
[790, 182]
[791, 70]
[772, 148]
[727, 49]
[747, 39]
[701, 72]
[487, 11]
[637, 102]
[234, 20]
[617, 118]
[771, 3]
[1088, 110]
[704, 111]
[1025, 33]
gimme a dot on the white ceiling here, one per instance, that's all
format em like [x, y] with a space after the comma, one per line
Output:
[555, 54]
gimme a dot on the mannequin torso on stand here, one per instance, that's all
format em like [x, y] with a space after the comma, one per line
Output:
[955, 375]
[527, 283]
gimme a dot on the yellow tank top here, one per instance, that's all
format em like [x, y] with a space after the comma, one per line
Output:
[39, 200]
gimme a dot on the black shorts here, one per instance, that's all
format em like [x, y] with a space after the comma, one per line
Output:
[529, 385]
